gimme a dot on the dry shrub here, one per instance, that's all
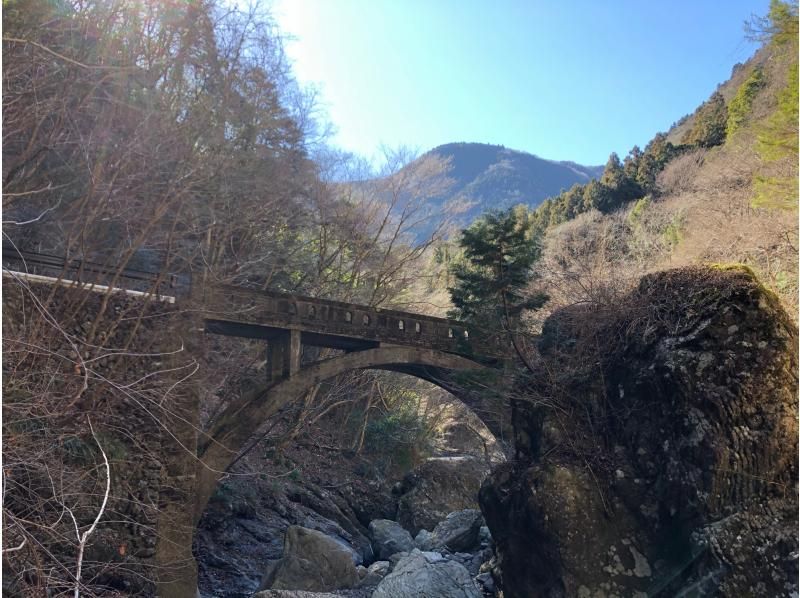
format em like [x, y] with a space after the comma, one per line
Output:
[580, 259]
[69, 403]
[679, 174]
[706, 217]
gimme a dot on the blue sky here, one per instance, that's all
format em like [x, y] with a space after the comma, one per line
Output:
[566, 80]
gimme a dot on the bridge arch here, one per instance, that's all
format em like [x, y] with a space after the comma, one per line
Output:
[240, 420]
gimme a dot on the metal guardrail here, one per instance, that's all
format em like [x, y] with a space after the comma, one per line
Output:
[86, 271]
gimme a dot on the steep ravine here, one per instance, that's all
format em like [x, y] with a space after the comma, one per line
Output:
[655, 455]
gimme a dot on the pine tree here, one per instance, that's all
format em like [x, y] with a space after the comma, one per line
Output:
[710, 122]
[598, 196]
[500, 250]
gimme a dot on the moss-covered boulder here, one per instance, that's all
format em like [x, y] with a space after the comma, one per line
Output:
[656, 432]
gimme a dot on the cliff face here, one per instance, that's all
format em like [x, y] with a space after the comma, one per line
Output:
[656, 447]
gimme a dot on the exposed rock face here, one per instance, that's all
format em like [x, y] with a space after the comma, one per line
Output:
[246, 521]
[438, 487]
[669, 460]
[389, 538]
[427, 574]
[312, 561]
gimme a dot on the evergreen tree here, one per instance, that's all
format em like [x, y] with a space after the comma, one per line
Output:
[621, 188]
[598, 196]
[742, 103]
[777, 144]
[500, 250]
[710, 122]
[631, 164]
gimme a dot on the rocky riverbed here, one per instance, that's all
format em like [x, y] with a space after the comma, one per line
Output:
[331, 523]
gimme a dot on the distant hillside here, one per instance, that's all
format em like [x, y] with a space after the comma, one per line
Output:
[494, 177]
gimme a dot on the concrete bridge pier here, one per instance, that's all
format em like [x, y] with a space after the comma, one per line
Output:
[283, 355]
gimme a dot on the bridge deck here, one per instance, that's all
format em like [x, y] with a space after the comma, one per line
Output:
[237, 311]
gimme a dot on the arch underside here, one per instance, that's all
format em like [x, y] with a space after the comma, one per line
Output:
[234, 427]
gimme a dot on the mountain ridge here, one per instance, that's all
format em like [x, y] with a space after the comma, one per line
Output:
[493, 177]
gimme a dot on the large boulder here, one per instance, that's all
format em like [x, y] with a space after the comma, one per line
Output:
[437, 487]
[656, 447]
[388, 538]
[427, 574]
[313, 562]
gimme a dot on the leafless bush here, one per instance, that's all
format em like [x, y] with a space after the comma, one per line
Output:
[71, 485]
[679, 174]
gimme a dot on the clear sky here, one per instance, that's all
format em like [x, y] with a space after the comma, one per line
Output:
[563, 79]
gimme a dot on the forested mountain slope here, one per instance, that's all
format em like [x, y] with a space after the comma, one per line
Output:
[486, 177]
[719, 187]
[494, 177]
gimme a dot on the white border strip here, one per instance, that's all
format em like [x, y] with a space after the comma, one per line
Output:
[98, 288]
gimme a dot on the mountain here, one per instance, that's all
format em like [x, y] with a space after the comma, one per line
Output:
[494, 177]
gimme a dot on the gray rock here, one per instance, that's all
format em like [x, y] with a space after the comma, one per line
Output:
[357, 544]
[485, 535]
[417, 575]
[437, 487]
[375, 573]
[486, 580]
[388, 538]
[395, 558]
[458, 532]
[693, 412]
[311, 561]
[424, 540]
[432, 556]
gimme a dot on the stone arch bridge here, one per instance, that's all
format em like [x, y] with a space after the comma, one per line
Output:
[437, 350]
[434, 349]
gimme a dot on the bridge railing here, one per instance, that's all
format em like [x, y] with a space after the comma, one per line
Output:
[325, 316]
[269, 308]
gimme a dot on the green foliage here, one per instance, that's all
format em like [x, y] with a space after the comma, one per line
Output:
[774, 192]
[84, 451]
[783, 20]
[639, 208]
[778, 142]
[782, 281]
[401, 435]
[779, 27]
[598, 196]
[500, 250]
[778, 138]
[656, 154]
[742, 103]
[76, 450]
[673, 233]
[619, 184]
[710, 123]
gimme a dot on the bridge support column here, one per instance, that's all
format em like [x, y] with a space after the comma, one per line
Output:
[176, 568]
[283, 355]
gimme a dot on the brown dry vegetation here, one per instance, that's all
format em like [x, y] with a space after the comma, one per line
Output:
[703, 213]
